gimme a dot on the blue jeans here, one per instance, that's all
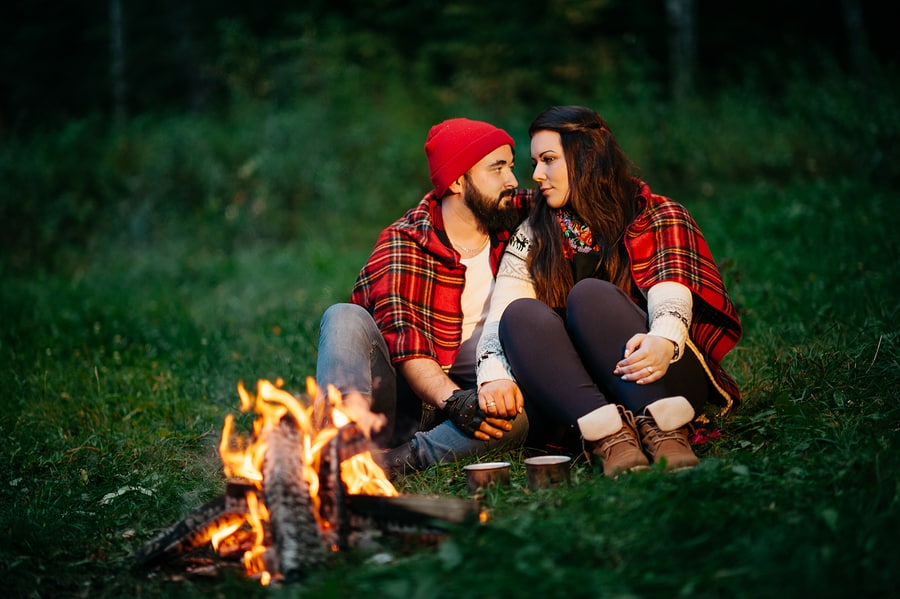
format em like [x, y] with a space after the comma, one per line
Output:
[353, 356]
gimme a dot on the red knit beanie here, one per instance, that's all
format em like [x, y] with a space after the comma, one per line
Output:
[456, 145]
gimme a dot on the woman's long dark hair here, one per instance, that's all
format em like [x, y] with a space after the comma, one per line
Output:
[601, 191]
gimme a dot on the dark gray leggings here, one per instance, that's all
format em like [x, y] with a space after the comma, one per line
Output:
[564, 366]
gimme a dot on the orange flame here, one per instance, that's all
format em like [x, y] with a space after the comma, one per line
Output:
[243, 458]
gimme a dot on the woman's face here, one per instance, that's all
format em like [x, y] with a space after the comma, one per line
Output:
[550, 170]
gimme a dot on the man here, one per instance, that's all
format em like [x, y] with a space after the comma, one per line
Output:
[402, 351]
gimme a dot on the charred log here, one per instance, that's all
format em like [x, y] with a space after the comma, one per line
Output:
[292, 519]
[196, 529]
[348, 442]
[413, 511]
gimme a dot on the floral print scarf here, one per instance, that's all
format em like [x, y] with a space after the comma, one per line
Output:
[576, 232]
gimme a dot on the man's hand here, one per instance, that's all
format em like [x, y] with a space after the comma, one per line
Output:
[463, 411]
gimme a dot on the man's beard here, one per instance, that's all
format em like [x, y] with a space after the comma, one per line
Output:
[492, 216]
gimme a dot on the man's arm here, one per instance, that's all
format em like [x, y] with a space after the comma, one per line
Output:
[428, 380]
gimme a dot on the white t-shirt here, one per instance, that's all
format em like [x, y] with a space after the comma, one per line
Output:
[475, 303]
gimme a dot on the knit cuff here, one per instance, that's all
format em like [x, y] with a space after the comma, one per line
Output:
[669, 307]
[671, 413]
[600, 423]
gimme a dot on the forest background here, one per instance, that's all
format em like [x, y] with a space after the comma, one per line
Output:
[97, 82]
[187, 185]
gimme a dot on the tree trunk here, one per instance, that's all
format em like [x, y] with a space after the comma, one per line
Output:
[682, 19]
[860, 56]
[117, 61]
[181, 23]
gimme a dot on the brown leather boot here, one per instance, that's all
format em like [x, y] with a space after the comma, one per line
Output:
[620, 451]
[671, 448]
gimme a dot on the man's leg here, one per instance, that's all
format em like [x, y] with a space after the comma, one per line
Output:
[353, 357]
[447, 443]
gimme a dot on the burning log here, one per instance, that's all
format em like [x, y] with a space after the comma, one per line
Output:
[433, 513]
[332, 491]
[295, 531]
[197, 529]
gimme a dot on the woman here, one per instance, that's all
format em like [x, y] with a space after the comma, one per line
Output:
[608, 310]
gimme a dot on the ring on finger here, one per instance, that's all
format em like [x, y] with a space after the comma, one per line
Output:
[650, 369]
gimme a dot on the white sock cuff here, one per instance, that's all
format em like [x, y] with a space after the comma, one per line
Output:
[600, 423]
[671, 413]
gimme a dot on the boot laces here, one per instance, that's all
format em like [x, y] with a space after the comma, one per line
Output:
[656, 435]
[625, 435]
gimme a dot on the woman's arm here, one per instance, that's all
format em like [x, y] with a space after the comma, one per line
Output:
[669, 308]
[513, 282]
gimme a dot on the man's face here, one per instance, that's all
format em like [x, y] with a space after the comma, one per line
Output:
[489, 185]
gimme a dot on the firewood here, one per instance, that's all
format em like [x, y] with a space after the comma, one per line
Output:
[193, 531]
[292, 519]
[414, 510]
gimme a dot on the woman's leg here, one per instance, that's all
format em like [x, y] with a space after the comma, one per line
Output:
[546, 365]
[552, 376]
[601, 319]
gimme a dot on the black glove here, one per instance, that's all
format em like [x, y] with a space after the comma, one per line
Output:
[463, 411]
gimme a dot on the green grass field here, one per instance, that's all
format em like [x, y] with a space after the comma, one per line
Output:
[123, 343]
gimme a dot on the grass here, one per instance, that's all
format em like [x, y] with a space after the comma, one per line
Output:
[118, 379]
[120, 361]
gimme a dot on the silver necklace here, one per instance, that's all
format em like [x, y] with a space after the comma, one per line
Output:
[466, 250]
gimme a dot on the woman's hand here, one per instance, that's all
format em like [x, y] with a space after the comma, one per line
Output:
[501, 398]
[646, 360]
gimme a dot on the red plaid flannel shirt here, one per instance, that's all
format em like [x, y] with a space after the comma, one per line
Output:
[665, 244]
[413, 281]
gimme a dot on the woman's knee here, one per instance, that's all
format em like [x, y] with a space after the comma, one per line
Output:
[591, 299]
[527, 315]
[591, 291]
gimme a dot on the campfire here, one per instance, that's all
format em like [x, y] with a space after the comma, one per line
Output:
[301, 485]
